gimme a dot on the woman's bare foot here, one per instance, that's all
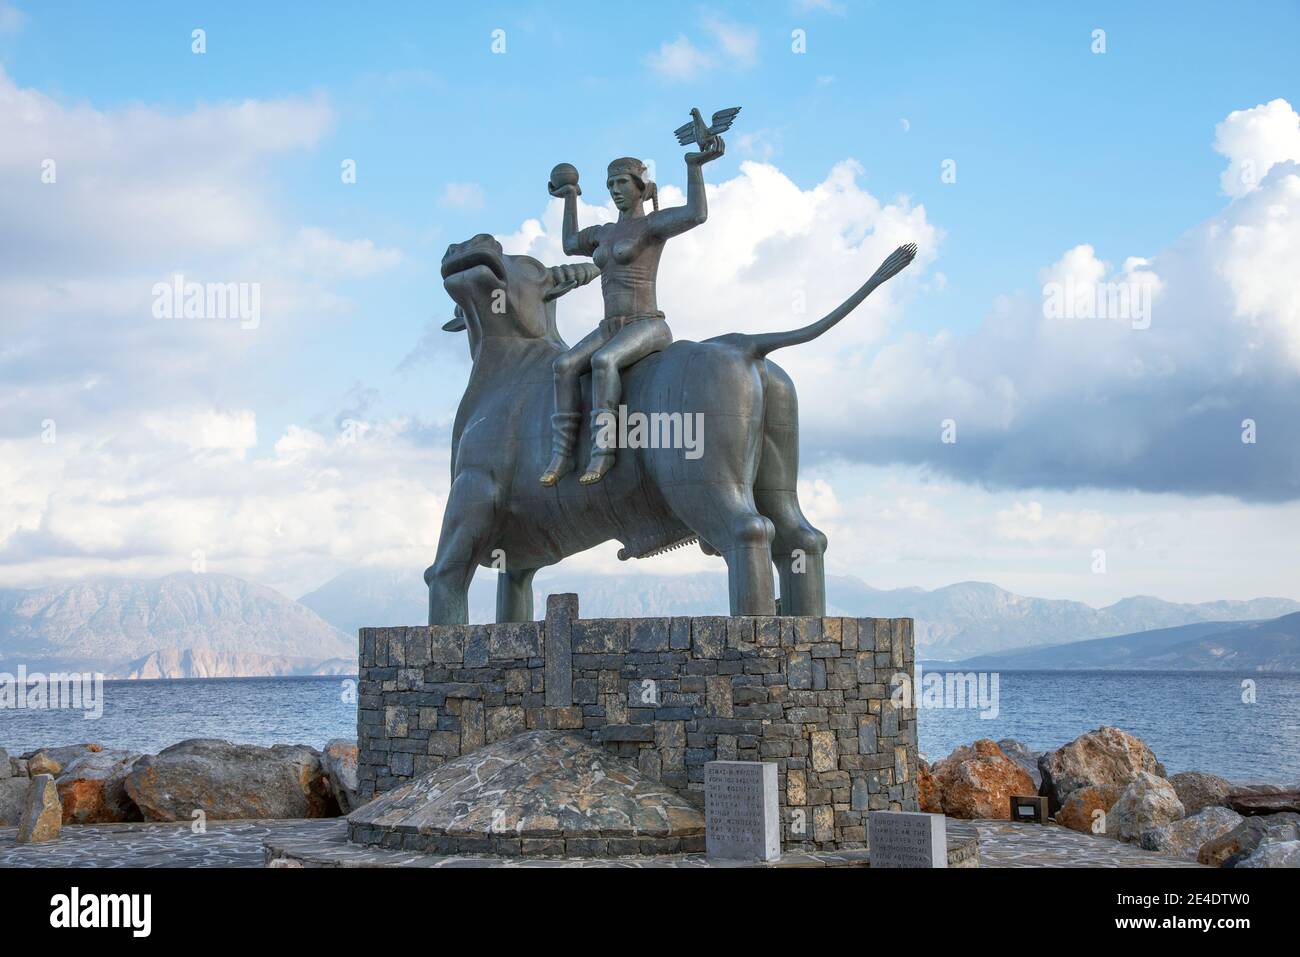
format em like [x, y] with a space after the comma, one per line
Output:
[601, 462]
[561, 465]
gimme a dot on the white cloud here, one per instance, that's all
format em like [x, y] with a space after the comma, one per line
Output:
[759, 144]
[678, 59]
[1029, 522]
[206, 430]
[129, 198]
[140, 502]
[681, 59]
[315, 252]
[134, 185]
[739, 43]
[1254, 141]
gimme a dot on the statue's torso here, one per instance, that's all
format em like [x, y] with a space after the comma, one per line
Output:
[627, 253]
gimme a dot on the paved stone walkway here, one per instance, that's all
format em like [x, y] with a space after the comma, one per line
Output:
[226, 844]
[240, 844]
[316, 846]
[1008, 844]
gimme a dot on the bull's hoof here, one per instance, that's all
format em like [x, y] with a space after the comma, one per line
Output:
[600, 464]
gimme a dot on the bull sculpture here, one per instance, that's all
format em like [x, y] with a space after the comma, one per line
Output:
[738, 498]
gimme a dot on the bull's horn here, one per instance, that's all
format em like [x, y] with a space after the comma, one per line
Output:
[569, 277]
[457, 321]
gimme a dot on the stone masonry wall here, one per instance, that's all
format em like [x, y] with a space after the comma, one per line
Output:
[811, 695]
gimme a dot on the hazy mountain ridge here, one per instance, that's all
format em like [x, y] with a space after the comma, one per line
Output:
[205, 663]
[114, 624]
[1264, 646]
[954, 621]
[213, 625]
[977, 617]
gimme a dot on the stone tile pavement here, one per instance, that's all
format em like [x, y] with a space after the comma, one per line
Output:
[226, 844]
[323, 842]
[1008, 844]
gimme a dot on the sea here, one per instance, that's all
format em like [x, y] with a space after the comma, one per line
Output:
[1244, 727]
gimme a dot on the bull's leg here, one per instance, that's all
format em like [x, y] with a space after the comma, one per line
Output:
[748, 555]
[798, 548]
[515, 595]
[727, 519]
[467, 525]
[798, 552]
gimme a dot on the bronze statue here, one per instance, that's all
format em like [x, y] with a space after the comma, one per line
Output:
[738, 498]
[627, 254]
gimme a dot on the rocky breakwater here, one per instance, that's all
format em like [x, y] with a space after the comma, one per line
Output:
[974, 782]
[1109, 783]
[217, 779]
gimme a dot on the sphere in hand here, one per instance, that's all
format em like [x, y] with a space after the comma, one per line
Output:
[565, 174]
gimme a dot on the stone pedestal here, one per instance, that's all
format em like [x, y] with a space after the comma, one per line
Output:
[809, 695]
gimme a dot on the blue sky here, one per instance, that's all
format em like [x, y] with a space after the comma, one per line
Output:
[1055, 146]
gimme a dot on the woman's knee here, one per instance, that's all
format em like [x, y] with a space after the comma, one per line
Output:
[566, 366]
[605, 363]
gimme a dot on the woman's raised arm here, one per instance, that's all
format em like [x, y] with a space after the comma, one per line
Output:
[572, 245]
[678, 219]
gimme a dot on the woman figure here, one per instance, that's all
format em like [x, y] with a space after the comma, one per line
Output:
[627, 253]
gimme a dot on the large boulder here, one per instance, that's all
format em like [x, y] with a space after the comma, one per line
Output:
[1197, 790]
[1149, 801]
[978, 782]
[6, 769]
[1085, 809]
[1274, 854]
[1264, 798]
[339, 760]
[1107, 757]
[92, 788]
[13, 798]
[230, 782]
[60, 756]
[1230, 849]
[927, 791]
[43, 815]
[43, 763]
[1186, 837]
[1025, 757]
[18, 767]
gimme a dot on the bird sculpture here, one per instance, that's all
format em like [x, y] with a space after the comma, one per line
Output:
[696, 132]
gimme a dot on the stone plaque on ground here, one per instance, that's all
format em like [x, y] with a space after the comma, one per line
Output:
[741, 815]
[907, 839]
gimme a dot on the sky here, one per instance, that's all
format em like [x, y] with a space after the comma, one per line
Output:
[961, 425]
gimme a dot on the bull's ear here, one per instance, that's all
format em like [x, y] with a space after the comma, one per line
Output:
[456, 323]
[569, 277]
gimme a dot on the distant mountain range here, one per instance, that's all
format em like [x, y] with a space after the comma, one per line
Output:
[1205, 646]
[183, 625]
[952, 622]
[212, 625]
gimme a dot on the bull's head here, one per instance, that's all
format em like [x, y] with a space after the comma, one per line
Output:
[507, 296]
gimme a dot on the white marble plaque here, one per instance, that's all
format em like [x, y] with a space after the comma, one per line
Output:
[907, 839]
[741, 813]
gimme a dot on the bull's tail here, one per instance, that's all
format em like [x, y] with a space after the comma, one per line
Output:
[761, 344]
